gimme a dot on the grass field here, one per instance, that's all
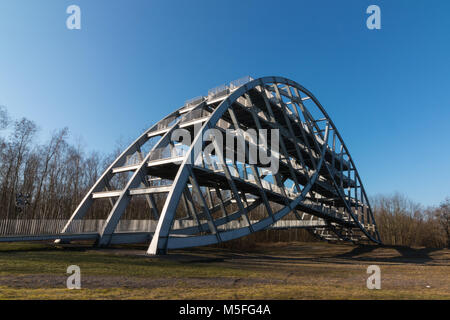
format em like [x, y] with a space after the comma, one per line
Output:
[269, 271]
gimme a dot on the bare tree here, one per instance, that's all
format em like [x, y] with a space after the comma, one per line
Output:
[4, 122]
[16, 151]
[443, 216]
[4, 118]
[49, 153]
[403, 222]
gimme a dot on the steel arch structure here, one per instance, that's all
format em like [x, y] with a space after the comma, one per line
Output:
[317, 183]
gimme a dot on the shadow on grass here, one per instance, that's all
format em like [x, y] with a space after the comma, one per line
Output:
[360, 253]
[406, 254]
[42, 247]
[307, 253]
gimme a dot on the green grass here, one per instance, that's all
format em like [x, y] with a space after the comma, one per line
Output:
[270, 271]
[45, 259]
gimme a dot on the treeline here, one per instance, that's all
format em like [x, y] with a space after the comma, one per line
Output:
[41, 180]
[48, 180]
[401, 221]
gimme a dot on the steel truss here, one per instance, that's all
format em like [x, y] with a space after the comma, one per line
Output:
[317, 181]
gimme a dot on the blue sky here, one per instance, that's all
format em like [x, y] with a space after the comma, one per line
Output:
[132, 62]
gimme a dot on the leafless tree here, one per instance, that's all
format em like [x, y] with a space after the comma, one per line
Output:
[443, 216]
[14, 156]
[403, 222]
[49, 153]
[4, 118]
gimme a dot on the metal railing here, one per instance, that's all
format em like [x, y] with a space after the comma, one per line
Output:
[29, 227]
[225, 89]
[194, 101]
[166, 123]
[218, 91]
[239, 82]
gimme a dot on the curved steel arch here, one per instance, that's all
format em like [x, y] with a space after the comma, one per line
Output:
[329, 198]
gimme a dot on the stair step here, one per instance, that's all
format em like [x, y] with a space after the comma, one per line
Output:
[159, 189]
[106, 194]
[132, 192]
[157, 162]
[130, 167]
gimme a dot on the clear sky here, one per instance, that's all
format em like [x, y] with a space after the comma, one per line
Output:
[132, 62]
